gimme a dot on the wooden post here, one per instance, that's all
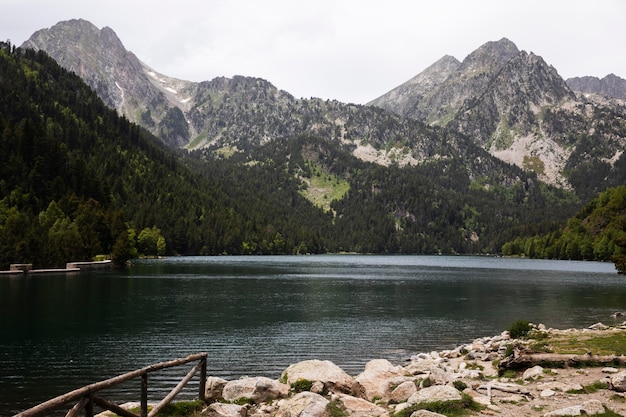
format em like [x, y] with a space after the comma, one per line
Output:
[144, 395]
[89, 407]
[202, 389]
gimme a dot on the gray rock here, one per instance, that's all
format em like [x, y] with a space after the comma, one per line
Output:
[403, 392]
[588, 408]
[333, 377]
[257, 389]
[618, 381]
[304, 404]
[358, 407]
[532, 373]
[377, 377]
[426, 413]
[435, 393]
[225, 410]
[214, 387]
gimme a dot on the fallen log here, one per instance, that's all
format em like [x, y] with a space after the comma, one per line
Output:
[521, 360]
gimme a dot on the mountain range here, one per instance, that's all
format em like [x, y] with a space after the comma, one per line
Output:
[508, 102]
[464, 157]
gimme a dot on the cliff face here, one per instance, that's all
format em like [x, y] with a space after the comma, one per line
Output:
[515, 106]
[121, 80]
[609, 86]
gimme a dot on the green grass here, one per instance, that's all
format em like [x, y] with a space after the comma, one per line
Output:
[609, 343]
[324, 188]
[460, 408]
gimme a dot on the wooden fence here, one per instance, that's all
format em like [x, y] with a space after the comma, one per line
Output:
[86, 398]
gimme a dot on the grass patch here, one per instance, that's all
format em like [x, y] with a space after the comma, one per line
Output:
[335, 409]
[591, 388]
[323, 188]
[301, 385]
[459, 408]
[607, 343]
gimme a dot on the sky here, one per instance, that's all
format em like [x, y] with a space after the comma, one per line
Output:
[349, 50]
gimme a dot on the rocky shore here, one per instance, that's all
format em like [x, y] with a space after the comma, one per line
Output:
[428, 384]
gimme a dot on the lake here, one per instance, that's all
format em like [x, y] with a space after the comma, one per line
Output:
[257, 315]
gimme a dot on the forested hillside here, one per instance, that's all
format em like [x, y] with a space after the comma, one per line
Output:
[597, 232]
[78, 181]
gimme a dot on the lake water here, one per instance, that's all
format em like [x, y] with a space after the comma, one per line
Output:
[257, 315]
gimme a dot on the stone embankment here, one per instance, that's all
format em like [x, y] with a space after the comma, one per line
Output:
[316, 388]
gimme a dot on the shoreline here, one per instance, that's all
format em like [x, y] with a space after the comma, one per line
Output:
[469, 372]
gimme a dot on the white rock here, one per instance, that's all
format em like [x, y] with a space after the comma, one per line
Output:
[574, 410]
[426, 413]
[592, 407]
[403, 392]
[333, 377]
[377, 378]
[618, 381]
[258, 389]
[358, 407]
[225, 410]
[532, 373]
[214, 387]
[547, 393]
[610, 370]
[304, 404]
[435, 393]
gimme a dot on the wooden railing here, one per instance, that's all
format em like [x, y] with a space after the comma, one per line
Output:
[86, 398]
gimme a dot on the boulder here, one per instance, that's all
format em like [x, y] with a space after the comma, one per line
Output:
[358, 407]
[333, 377]
[377, 378]
[588, 408]
[618, 381]
[532, 373]
[304, 404]
[426, 413]
[435, 393]
[403, 392]
[214, 387]
[440, 376]
[257, 389]
[225, 410]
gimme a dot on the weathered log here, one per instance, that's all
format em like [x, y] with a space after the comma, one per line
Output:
[523, 360]
[513, 389]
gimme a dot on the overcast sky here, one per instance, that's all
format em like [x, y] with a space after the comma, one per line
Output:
[349, 50]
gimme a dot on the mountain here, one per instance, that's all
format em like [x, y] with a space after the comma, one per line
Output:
[119, 77]
[610, 86]
[227, 115]
[80, 180]
[516, 106]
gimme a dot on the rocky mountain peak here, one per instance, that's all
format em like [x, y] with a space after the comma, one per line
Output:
[407, 94]
[116, 74]
[489, 55]
[609, 86]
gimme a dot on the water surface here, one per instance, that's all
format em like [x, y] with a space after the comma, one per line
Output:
[257, 315]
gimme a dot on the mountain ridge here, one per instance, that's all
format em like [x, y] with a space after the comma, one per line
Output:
[509, 102]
